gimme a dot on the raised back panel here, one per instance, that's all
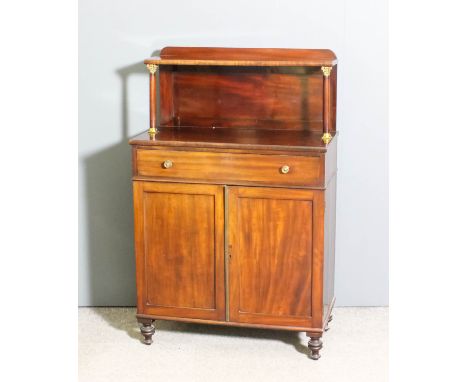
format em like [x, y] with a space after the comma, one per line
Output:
[241, 96]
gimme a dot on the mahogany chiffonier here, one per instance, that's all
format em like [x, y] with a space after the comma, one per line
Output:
[234, 190]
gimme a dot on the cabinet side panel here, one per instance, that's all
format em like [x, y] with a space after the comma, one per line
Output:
[139, 244]
[333, 92]
[166, 95]
[330, 160]
[329, 246]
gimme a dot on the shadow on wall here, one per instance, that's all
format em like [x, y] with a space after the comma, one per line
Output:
[110, 251]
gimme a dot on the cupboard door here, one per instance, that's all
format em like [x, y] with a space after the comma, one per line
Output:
[275, 256]
[179, 239]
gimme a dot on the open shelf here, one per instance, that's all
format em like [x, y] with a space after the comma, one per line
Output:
[232, 138]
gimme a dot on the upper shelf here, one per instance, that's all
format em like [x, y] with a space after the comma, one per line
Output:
[243, 57]
[223, 138]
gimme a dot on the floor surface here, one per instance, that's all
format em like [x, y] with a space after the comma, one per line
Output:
[354, 349]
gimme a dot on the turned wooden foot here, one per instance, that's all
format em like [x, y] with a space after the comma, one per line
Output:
[147, 330]
[315, 344]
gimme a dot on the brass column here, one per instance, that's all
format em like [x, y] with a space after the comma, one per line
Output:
[326, 137]
[153, 69]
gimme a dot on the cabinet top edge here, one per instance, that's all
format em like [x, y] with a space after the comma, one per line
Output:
[211, 56]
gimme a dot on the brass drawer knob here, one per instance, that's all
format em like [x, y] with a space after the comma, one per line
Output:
[284, 169]
[167, 164]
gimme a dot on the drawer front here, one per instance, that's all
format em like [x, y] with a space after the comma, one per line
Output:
[231, 168]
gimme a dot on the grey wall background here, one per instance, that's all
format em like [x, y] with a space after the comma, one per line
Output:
[114, 38]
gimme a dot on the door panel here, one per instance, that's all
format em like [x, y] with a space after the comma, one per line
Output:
[272, 233]
[179, 230]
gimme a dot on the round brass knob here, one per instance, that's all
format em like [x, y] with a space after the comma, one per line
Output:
[167, 164]
[284, 169]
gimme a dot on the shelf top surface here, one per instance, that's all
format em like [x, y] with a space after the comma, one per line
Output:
[231, 138]
[243, 57]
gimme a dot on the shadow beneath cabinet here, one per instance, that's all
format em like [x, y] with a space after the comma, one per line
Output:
[124, 319]
[288, 337]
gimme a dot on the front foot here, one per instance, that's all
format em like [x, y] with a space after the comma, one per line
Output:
[315, 344]
[147, 330]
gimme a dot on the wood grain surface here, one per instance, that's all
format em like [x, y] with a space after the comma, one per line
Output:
[246, 139]
[269, 98]
[232, 168]
[273, 239]
[243, 56]
[179, 235]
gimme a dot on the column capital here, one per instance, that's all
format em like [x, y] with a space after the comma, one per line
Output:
[152, 68]
[326, 70]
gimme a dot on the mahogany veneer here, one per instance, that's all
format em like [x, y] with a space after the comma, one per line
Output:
[234, 190]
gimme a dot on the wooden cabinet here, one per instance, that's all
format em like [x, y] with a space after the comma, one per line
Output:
[234, 190]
